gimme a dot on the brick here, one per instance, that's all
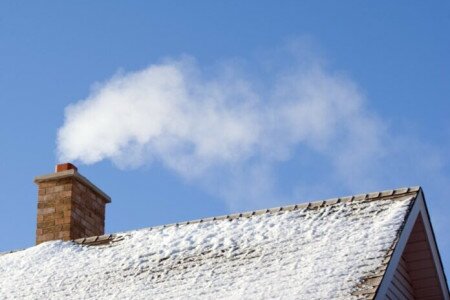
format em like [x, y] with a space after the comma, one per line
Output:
[47, 204]
[47, 184]
[49, 230]
[77, 198]
[61, 221]
[64, 181]
[76, 217]
[66, 200]
[84, 223]
[48, 236]
[81, 186]
[49, 217]
[48, 197]
[64, 235]
[53, 189]
[44, 211]
[62, 207]
[45, 224]
[65, 194]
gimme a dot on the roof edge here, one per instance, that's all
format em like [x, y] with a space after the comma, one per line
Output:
[373, 196]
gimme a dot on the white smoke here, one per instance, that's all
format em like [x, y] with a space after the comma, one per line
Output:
[202, 124]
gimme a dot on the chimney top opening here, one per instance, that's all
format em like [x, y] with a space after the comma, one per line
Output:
[65, 167]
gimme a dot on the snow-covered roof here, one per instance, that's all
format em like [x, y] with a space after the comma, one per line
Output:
[337, 248]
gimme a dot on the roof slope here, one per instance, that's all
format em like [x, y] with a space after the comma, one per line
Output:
[312, 251]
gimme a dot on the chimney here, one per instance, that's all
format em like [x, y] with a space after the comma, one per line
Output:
[69, 206]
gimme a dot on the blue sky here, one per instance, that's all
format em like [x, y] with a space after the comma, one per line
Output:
[281, 104]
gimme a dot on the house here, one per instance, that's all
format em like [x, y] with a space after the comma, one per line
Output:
[372, 246]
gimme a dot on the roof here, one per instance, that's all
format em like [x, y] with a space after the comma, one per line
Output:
[337, 247]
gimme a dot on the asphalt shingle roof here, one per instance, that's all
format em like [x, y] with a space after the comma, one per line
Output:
[338, 248]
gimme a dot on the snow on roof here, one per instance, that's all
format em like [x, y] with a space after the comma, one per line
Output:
[311, 251]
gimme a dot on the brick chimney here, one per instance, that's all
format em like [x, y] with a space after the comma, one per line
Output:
[69, 206]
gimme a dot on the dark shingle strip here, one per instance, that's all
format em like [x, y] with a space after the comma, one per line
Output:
[99, 240]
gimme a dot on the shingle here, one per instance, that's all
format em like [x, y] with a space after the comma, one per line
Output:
[332, 201]
[104, 237]
[386, 193]
[302, 205]
[373, 195]
[316, 204]
[247, 214]
[195, 221]
[359, 197]
[234, 216]
[221, 217]
[414, 189]
[80, 241]
[346, 199]
[289, 207]
[208, 219]
[90, 239]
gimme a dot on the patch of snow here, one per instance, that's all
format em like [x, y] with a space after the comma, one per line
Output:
[309, 254]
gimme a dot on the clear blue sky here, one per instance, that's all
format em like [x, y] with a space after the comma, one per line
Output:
[396, 56]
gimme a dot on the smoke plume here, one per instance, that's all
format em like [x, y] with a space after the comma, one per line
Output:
[206, 123]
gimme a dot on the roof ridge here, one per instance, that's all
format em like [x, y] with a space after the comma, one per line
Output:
[372, 196]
